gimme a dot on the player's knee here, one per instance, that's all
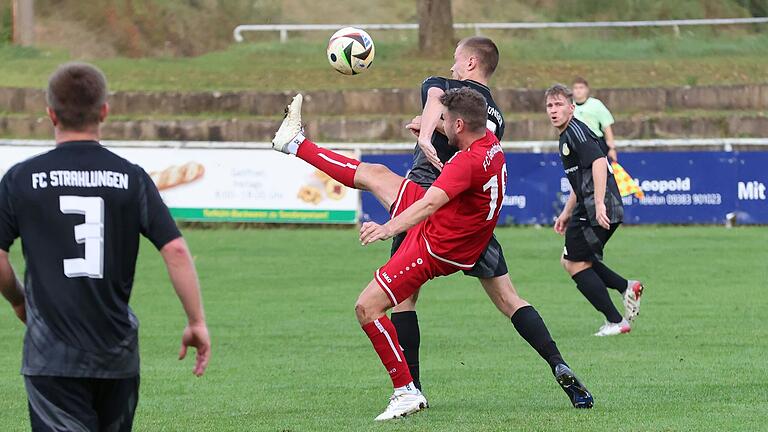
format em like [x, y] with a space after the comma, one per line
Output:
[565, 263]
[367, 171]
[363, 312]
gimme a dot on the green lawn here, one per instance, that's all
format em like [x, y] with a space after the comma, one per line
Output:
[531, 61]
[289, 356]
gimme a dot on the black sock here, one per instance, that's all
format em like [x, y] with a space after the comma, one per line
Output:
[531, 327]
[407, 326]
[611, 278]
[593, 288]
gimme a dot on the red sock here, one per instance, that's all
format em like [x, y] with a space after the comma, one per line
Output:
[382, 334]
[339, 167]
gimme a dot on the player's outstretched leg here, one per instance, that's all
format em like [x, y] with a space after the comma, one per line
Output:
[593, 288]
[630, 290]
[531, 327]
[378, 179]
[580, 396]
[371, 310]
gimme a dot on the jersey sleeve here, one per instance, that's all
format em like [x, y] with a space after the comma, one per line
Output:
[500, 131]
[586, 146]
[9, 229]
[604, 116]
[456, 176]
[439, 82]
[157, 224]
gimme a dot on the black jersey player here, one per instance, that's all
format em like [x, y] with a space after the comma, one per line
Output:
[591, 215]
[475, 60]
[79, 210]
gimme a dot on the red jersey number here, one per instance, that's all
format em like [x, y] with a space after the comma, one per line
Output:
[494, 185]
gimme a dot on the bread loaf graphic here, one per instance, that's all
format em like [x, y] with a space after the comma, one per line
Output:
[177, 175]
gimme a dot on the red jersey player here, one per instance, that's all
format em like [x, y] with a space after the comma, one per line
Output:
[448, 225]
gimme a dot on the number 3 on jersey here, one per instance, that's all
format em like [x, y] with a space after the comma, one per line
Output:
[495, 184]
[91, 233]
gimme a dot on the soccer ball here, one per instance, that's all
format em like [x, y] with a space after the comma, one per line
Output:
[350, 51]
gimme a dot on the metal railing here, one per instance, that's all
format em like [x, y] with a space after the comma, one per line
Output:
[726, 144]
[237, 33]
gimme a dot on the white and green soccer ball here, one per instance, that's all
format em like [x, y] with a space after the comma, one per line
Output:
[351, 51]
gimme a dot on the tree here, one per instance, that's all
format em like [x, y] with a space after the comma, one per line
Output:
[435, 27]
[23, 22]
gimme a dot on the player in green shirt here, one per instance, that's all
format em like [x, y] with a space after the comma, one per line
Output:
[592, 112]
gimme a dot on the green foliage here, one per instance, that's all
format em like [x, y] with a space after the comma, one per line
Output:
[534, 61]
[6, 24]
[137, 28]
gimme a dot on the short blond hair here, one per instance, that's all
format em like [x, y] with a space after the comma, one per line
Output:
[559, 90]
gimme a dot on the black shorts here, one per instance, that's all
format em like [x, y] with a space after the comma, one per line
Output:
[490, 264]
[81, 404]
[585, 242]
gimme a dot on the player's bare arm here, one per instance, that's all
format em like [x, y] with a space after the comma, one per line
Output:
[600, 177]
[430, 117]
[565, 216]
[183, 276]
[433, 199]
[415, 126]
[609, 140]
[11, 288]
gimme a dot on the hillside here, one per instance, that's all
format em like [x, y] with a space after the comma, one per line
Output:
[137, 28]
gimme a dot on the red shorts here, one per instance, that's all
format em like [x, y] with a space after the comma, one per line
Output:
[412, 265]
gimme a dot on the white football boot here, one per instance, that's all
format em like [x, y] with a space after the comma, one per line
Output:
[613, 329]
[631, 299]
[402, 404]
[290, 134]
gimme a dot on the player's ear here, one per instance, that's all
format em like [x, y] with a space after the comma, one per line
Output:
[52, 116]
[471, 63]
[104, 112]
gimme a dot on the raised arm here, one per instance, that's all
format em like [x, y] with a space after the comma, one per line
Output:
[183, 276]
[430, 118]
[432, 200]
[11, 288]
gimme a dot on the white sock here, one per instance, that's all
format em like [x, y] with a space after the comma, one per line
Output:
[630, 282]
[293, 146]
[408, 388]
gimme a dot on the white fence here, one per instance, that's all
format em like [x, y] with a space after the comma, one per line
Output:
[726, 144]
[478, 27]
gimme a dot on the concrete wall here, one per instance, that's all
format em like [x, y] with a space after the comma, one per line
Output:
[390, 128]
[395, 101]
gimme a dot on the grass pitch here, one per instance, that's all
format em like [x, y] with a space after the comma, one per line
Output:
[288, 354]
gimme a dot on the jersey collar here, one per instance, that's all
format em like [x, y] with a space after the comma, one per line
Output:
[77, 143]
[481, 85]
[585, 101]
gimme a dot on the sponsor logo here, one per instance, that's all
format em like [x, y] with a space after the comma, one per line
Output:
[495, 149]
[514, 201]
[386, 277]
[673, 185]
[751, 190]
[493, 112]
[565, 185]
